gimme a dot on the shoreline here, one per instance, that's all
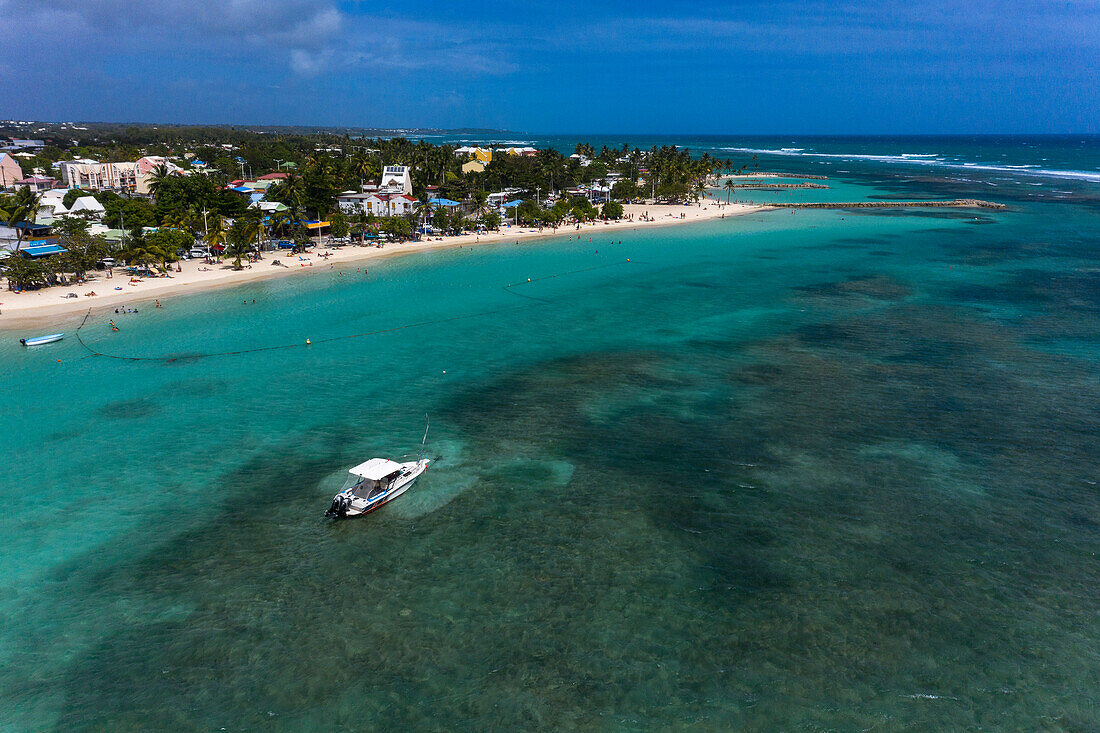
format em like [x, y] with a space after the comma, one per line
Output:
[39, 307]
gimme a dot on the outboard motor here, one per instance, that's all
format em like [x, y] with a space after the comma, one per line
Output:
[340, 505]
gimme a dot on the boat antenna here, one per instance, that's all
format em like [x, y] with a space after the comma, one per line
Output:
[425, 440]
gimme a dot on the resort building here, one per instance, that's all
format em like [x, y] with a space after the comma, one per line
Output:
[379, 204]
[473, 166]
[95, 176]
[10, 172]
[120, 177]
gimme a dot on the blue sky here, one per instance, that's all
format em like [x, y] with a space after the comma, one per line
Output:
[775, 66]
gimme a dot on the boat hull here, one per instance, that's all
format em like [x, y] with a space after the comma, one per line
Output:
[42, 340]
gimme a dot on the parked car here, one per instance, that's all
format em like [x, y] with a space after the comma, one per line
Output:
[108, 262]
[198, 254]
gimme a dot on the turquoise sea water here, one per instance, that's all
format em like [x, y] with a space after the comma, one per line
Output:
[830, 470]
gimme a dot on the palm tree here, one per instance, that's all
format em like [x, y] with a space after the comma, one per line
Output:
[362, 166]
[20, 209]
[141, 254]
[424, 208]
[216, 233]
[181, 220]
[480, 199]
[157, 178]
[252, 227]
[729, 188]
[239, 244]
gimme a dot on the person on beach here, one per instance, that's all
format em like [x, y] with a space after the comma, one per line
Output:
[113, 326]
[158, 304]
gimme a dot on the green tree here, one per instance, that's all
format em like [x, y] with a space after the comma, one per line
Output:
[23, 273]
[72, 195]
[139, 253]
[82, 250]
[216, 233]
[424, 208]
[18, 211]
[338, 224]
[167, 244]
[624, 190]
[239, 243]
[480, 200]
[612, 210]
[157, 177]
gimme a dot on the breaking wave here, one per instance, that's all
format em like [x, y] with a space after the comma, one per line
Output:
[930, 159]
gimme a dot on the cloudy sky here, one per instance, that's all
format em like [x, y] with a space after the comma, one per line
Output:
[756, 66]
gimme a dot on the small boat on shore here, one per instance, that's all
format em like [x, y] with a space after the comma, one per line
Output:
[376, 482]
[41, 340]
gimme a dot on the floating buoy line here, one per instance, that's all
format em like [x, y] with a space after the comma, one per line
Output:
[314, 342]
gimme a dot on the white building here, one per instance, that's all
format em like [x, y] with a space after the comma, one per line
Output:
[379, 204]
[87, 205]
[396, 179]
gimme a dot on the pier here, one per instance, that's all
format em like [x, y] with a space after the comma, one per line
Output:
[955, 204]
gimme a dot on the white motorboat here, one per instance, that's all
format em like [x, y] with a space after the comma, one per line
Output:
[376, 482]
[40, 340]
[373, 484]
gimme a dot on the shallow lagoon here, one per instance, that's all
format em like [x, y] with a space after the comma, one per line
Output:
[822, 470]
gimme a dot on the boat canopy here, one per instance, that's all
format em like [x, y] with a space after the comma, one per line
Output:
[375, 469]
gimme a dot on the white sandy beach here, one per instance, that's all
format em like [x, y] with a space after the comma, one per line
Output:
[40, 307]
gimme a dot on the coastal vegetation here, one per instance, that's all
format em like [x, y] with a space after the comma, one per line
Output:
[190, 198]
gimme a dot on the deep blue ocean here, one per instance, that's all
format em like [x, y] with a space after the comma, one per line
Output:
[813, 470]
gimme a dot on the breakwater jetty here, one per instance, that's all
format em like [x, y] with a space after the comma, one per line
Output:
[717, 179]
[775, 174]
[955, 204]
[776, 186]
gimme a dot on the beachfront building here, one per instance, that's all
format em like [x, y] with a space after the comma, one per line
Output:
[523, 152]
[10, 172]
[396, 179]
[473, 166]
[379, 204]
